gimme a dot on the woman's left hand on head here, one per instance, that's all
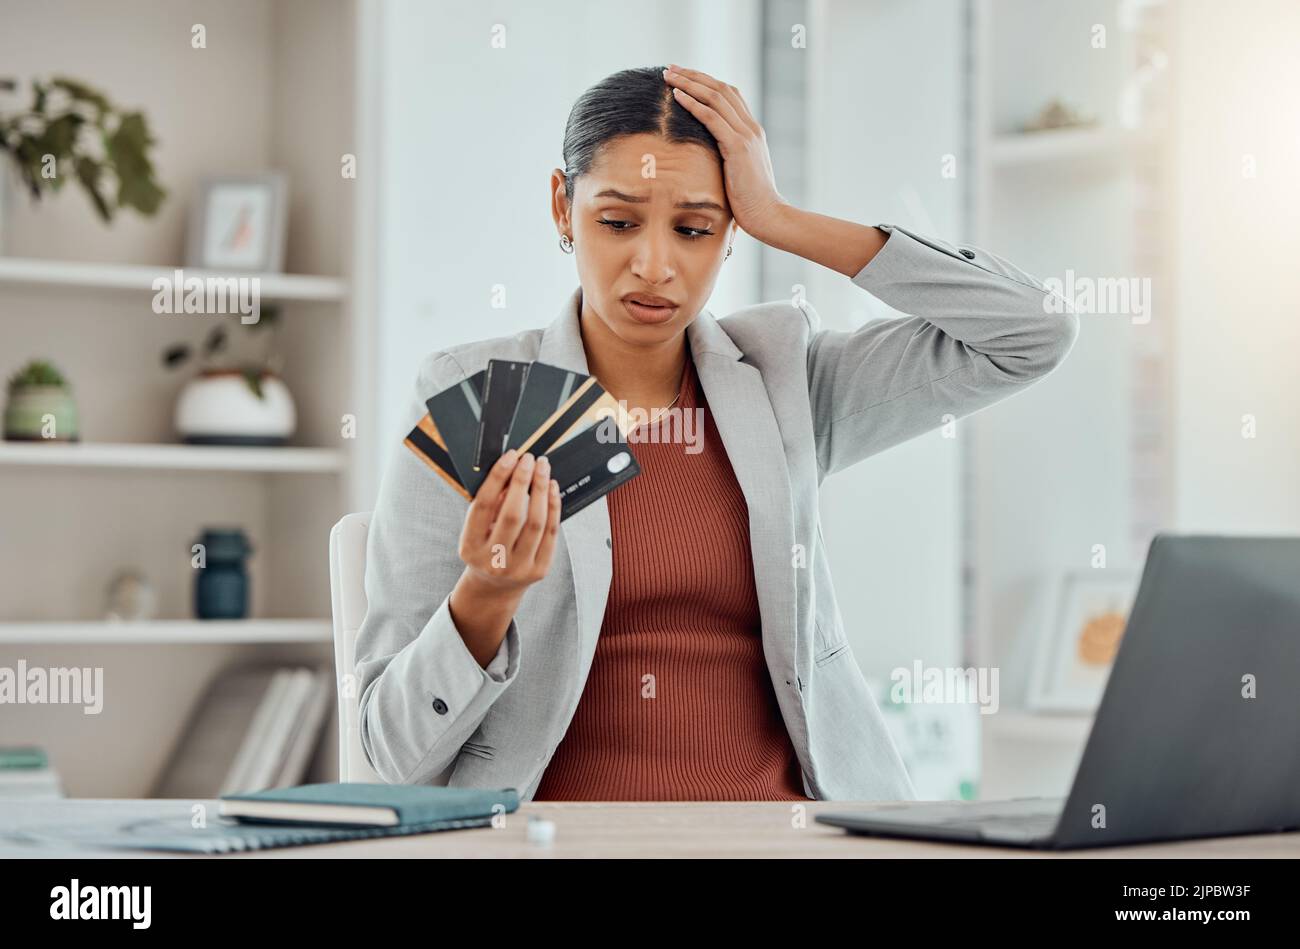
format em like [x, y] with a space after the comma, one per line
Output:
[746, 163]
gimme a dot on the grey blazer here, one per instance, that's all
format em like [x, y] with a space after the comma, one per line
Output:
[793, 403]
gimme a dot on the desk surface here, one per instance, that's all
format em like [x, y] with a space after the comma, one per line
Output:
[620, 829]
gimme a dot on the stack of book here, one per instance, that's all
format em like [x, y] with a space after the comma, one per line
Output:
[255, 729]
[26, 773]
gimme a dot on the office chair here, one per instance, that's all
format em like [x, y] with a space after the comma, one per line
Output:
[348, 599]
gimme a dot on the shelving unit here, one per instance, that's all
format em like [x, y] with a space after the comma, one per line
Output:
[276, 89]
[178, 632]
[172, 457]
[1037, 726]
[1092, 200]
[67, 275]
[1069, 149]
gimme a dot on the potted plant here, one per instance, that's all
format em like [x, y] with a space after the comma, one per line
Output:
[40, 406]
[72, 131]
[234, 401]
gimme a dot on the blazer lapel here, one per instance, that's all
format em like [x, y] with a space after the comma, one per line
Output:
[742, 412]
[743, 415]
[586, 534]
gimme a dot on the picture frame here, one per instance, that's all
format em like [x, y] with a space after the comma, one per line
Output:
[238, 223]
[1073, 657]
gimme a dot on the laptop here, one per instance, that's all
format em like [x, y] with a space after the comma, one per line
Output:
[1196, 734]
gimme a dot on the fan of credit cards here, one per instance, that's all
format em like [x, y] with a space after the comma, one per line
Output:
[532, 407]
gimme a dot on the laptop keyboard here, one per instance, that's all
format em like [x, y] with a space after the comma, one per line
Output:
[1038, 824]
[1024, 808]
[1023, 818]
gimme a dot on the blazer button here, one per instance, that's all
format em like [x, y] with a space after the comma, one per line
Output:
[440, 706]
[968, 254]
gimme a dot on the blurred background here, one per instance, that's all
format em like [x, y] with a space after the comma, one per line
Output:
[383, 168]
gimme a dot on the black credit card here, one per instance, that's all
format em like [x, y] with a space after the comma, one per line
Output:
[426, 441]
[581, 408]
[547, 392]
[501, 390]
[456, 411]
[588, 466]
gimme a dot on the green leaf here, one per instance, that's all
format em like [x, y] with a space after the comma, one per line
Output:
[216, 340]
[126, 151]
[88, 173]
[176, 354]
[127, 148]
[59, 135]
[253, 377]
[38, 372]
[79, 90]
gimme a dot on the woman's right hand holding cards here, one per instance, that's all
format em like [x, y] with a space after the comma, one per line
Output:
[507, 544]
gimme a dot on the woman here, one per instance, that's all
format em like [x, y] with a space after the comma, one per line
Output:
[679, 638]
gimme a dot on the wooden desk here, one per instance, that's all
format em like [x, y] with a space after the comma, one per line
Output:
[628, 829]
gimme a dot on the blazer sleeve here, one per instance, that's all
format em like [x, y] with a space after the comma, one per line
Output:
[421, 692]
[981, 329]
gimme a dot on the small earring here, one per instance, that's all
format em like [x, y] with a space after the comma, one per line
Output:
[566, 244]
[728, 252]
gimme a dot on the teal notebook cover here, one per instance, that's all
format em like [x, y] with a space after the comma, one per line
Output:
[432, 809]
[24, 758]
[413, 803]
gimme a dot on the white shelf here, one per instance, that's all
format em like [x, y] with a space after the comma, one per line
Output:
[1025, 725]
[173, 457]
[1065, 146]
[26, 271]
[99, 632]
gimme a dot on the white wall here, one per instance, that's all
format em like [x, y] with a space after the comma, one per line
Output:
[1238, 301]
[470, 135]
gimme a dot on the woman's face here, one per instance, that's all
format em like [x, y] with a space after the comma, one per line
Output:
[649, 218]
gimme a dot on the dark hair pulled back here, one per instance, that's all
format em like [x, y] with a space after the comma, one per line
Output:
[629, 102]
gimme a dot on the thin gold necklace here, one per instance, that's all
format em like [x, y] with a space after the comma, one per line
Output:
[681, 384]
[665, 409]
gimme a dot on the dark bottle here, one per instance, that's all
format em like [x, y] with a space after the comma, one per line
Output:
[221, 588]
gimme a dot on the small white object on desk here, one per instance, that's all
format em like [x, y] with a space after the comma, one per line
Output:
[540, 831]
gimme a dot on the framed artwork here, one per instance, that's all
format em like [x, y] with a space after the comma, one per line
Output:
[238, 223]
[1073, 658]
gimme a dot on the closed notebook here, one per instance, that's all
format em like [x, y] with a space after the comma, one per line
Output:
[303, 815]
[367, 805]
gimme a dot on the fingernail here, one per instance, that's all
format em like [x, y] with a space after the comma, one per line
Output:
[509, 458]
[544, 463]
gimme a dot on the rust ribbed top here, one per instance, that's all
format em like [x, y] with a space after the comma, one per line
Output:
[679, 703]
